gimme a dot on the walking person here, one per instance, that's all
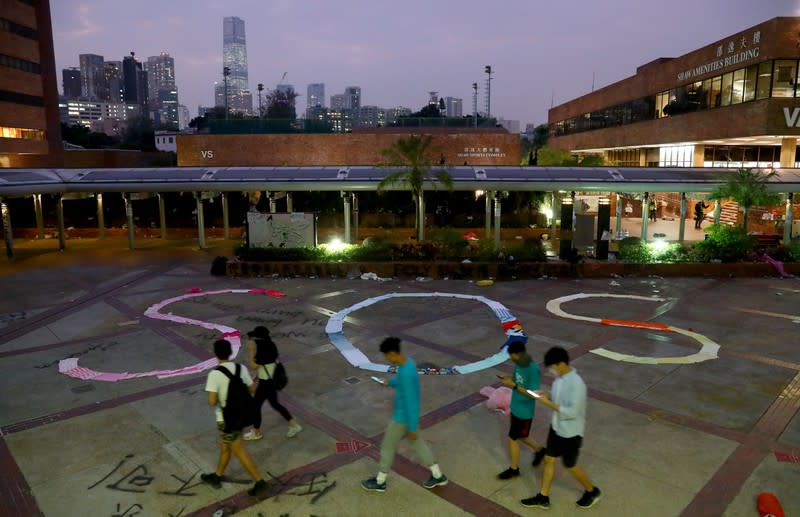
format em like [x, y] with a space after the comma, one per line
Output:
[699, 214]
[653, 210]
[523, 407]
[566, 430]
[263, 359]
[405, 420]
[217, 385]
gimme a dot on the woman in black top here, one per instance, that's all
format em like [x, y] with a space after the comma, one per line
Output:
[263, 358]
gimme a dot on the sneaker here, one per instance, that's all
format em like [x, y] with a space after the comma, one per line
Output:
[252, 435]
[537, 501]
[508, 473]
[589, 498]
[260, 488]
[373, 485]
[433, 482]
[293, 430]
[212, 479]
[539, 456]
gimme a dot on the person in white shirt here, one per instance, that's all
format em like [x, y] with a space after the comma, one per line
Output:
[568, 403]
[231, 441]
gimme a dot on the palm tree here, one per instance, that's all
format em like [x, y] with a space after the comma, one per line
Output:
[411, 155]
[748, 188]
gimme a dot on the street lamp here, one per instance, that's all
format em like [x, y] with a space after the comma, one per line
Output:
[260, 89]
[488, 70]
[475, 104]
[226, 71]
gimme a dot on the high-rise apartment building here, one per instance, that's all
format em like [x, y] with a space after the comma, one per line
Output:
[338, 101]
[92, 77]
[453, 107]
[353, 94]
[113, 81]
[162, 92]
[30, 133]
[315, 96]
[135, 81]
[71, 82]
[234, 58]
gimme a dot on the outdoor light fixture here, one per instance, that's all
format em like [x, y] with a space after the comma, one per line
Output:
[479, 193]
[659, 245]
[336, 244]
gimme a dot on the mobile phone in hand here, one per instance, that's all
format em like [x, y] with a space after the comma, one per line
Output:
[534, 394]
[377, 379]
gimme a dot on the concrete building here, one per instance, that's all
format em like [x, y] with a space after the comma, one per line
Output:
[338, 101]
[30, 134]
[115, 85]
[161, 88]
[135, 81]
[234, 57]
[71, 82]
[166, 141]
[731, 103]
[512, 126]
[315, 96]
[183, 117]
[453, 107]
[85, 112]
[93, 82]
[371, 116]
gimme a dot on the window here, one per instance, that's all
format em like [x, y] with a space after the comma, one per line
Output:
[19, 64]
[750, 83]
[727, 86]
[737, 92]
[19, 30]
[20, 98]
[764, 79]
[715, 95]
[170, 140]
[784, 78]
[21, 133]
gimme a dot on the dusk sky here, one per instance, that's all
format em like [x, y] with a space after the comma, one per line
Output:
[399, 51]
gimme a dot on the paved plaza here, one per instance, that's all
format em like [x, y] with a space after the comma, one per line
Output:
[662, 439]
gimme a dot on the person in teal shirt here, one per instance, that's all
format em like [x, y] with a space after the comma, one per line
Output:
[523, 407]
[405, 420]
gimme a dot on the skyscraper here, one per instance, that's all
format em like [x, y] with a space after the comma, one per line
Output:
[135, 80]
[71, 81]
[162, 92]
[353, 94]
[315, 95]
[113, 81]
[92, 77]
[234, 58]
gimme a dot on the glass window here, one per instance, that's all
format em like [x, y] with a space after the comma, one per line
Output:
[751, 75]
[764, 80]
[737, 92]
[727, 86]
[662, 99]
[716, 94]
[706, 101]
[784, 78]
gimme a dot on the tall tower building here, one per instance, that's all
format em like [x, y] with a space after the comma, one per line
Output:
[315, 96]
[162, 92]
[92, 77]
[71, 82]
[113, 81]
[135, 80]
[453, 107]
[353, 94]
[234, 57]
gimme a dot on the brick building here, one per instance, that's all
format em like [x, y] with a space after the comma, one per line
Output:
[733, 103]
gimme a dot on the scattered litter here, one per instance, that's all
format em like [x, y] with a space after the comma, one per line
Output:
[484, 283]
[656, 291]
[795, 321]
[446, 278]
[614, 283]
[313, 276]
[369, 276]
[614, 275]
[654, 276]
[136, 322]
[424, 279]
[466, 261]
[779, 294]
[275, 275]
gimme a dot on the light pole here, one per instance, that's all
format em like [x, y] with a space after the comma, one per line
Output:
[475, 104]
[260, 89]
[488, 70]
[226, 71]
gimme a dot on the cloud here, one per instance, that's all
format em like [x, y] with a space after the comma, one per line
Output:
[85, 23]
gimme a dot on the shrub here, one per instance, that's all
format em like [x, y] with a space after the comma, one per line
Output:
[725, 243]
[531, 250]
[634, 249]
[450, 243]
[793, 250]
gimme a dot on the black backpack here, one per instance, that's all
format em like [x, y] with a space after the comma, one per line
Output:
[240, 408]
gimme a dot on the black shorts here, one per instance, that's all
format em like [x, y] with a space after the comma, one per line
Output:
[566, 448]
[520, 427]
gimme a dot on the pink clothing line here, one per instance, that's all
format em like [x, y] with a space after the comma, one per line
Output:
[70, 366]
[777, 264]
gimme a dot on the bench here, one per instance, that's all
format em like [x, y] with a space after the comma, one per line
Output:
[768, 240]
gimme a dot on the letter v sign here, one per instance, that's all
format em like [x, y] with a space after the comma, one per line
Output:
[791, 119]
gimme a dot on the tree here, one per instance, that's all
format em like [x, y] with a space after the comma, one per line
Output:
[747, 187]
[139, 135]
[411, 154]
[280, 104]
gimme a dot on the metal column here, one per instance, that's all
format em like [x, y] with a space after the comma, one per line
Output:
[289, 204]
[355, 215]
[101, 218]
[226, 229]
[488, 222]
[717, 211]
[162, 215]
[62, 241]
[498, 210]
[565, 235]
[7, 230]
[645, 215]
[201, 225]
[131, 227]
[346, 200]
[273, 205]
[682, 227]
[787, 222]
[421, 218]
[603, 227]
[37, 207]
[554, 218]
[618, 225]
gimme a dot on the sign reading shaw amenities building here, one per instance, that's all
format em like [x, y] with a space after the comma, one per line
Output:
[732, 53]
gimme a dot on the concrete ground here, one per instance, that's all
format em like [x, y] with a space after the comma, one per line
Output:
[662, 439]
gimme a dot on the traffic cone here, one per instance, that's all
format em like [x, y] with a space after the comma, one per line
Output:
[768, 505]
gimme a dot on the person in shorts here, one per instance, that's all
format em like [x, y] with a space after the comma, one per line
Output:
[566, 430]
[523, 407]
[230, 442]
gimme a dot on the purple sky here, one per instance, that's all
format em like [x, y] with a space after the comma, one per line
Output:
[398, 51]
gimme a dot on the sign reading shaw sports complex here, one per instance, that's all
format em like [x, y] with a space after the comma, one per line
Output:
[732, 53]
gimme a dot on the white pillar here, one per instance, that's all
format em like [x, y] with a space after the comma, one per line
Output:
[645, 215]
[787, 223]
[201, 225]
[682, 227]
[101, 216]
[7, 230]
[498, 208]
[62, 240]
[129, 214]
[618, 225]
[488, 222]
[37, 206]
[289, 204]
[346, 201]
[226, 230]
[162, 216]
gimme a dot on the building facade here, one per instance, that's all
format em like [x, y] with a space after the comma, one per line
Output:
[85, 112]
[71, 82]
[134, 81]
[92, 77]
[315, 96]
[234, 58]
[30, 134]
[161, 90]
[115, 85]
[454, 107]
[733, 103]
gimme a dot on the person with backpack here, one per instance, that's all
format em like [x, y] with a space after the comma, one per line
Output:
[230, 389]
[271, 379]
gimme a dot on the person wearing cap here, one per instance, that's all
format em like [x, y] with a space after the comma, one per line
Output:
[263, 357]
[523, 407]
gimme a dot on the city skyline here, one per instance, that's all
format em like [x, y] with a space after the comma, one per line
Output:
[535, 61]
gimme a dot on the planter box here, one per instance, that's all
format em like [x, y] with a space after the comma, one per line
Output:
[484, 270]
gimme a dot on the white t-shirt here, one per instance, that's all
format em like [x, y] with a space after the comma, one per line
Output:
[217, 382]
